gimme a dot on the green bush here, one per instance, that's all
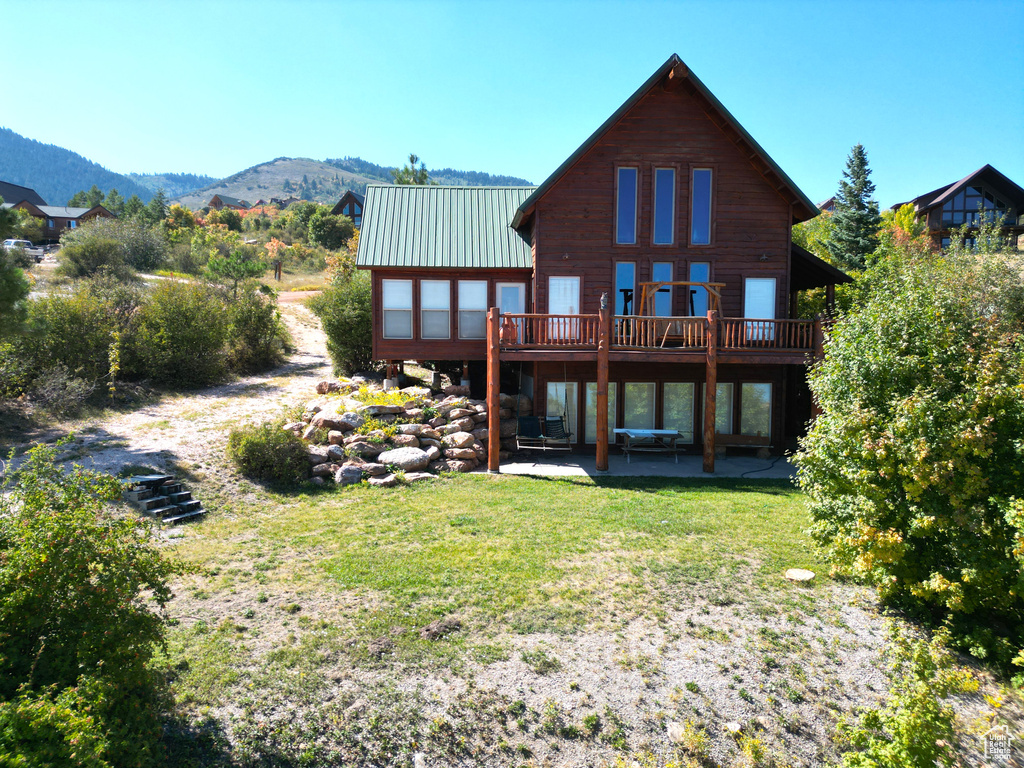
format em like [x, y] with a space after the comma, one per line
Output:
[345, 314]
[268, 452]
[913, 471]
[14, 290]
[81, 615]
[93, 256]
[119, 245]
[258, 338]
[181, 335]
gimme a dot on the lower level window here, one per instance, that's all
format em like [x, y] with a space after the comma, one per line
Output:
[677, 408]
[723, 407]
[756, 410]
[638, 405]
[590, 412]
[472, 309]
[562, 402]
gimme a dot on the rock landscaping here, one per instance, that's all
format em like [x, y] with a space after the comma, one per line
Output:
[358, 433]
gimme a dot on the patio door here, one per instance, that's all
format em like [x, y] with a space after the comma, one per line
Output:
[759, 302]
[563, 299]
[512, 301]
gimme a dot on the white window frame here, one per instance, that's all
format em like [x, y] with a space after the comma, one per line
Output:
[426, 309]
[386, 300]
[755, 309]
[465, 312]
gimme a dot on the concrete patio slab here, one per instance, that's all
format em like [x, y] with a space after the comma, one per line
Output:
[572, 465]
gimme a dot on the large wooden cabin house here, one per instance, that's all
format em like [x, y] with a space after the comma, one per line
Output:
[650, 282]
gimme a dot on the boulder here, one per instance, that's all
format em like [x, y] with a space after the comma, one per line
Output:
[415, 477]
[379, 410]
[461, 425]
[316, 481]
[405, 441]
[326, 469]
[480, 407]
[479, 451]
[332, 421]
[429, 432]
[327, 387]
[437, 422]
[439, 465]
[508, 428]
[433, 452]
[479, 418]
[317, 455]
[384, 481]
[458, 413]
[314, 406]
[335, 437]
[458, 440]
[504, 413]
[336, 453]
[354, 419]
[309, 433]
[298, 427]
[364, 449]
[481, 434]
[508, 445]
[461, 465]
[415, 414]
[429, 441]
[409, 429]
[373, 469]
[457, 390]
[408, 459]
[355, 438]
[459, 453]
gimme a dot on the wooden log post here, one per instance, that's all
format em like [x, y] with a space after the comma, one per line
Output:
[711, 392]
[601, 417]
[830, 300]
[493, 390]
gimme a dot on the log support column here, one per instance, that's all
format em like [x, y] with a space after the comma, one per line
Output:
[493, 390]
[711, 392]
[601, 417]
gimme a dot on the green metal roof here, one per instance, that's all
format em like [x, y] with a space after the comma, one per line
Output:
[673, 63]
[442, 228]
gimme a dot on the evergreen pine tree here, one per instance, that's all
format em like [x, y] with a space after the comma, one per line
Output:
[157, 208]
[855, 220]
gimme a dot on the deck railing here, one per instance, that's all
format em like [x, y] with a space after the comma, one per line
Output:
[536, 331]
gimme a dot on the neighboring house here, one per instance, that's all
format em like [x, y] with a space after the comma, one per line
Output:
[58, 218]
[984, 193]
[217, 202]
[284, 202]
[827, 206]
[655, 260]
[15, 193]
[351, 205]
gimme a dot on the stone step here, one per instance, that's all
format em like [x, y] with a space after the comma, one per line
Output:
[182, 516]
[137, 495]
[149, 481]
[189, 506]
[179, 498]
[154, 502]
[164, 512]
[168, 488]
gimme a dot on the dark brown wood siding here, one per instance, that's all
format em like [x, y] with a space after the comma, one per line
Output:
[575, 221]
[452, 348]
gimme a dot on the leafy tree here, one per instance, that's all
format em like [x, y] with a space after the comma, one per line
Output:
[82, 614]
[814, 235]
[410, 174]
[156, 210]
[134, 208]
[179, 217]
[85, 199]
[329, 231]
[114, 202]
[855, 221]
[301, 213]
[229, 217]
[913, 469]
[235, 269]
[344, 311]
[8, 221]
[14, 290]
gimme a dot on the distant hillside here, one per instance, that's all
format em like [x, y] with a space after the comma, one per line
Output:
[283, 177]
[447, 176]
[324, 182]
[173, 184]
[57, 173]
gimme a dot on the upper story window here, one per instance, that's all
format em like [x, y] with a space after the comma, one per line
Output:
[970, 206]
[472, 309]
[626, 206]
[397, 305]
[664, 206]
[625, 288]
[435, 309]
[700, 207]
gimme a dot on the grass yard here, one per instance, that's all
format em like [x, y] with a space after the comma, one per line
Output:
[583, 620]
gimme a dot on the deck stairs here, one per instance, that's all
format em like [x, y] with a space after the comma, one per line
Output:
[162, 497]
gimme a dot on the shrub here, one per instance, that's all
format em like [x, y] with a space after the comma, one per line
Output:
[913, 470]
[268, 452]
[118, 245]
[58, 392]
[82, 613]
[182, 332]
[345, 314]
[257, 335]
[14, 290]
[93, 256]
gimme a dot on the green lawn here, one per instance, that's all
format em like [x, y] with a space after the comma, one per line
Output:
[293, 590]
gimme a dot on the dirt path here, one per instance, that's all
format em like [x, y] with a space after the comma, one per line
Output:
[190, 430]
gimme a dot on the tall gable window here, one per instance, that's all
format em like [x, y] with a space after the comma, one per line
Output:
[625, 206]
[970, 206]
[664, 206]
[700, 207]
[397, 303]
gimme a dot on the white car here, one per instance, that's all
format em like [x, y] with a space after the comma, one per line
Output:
[12, 244]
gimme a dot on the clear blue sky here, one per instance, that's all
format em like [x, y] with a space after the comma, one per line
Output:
[932, 89]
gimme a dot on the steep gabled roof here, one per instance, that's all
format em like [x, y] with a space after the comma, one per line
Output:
[232, 201]
[62, 211]
[15, 193]
[675, 68]
[349, 196]
[986, 174]
[438, 227]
